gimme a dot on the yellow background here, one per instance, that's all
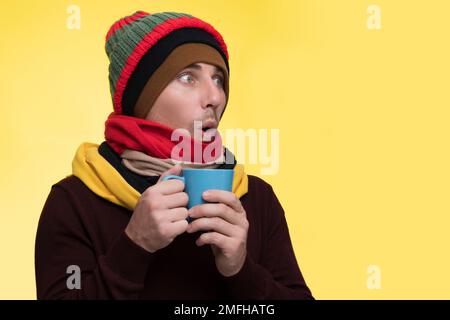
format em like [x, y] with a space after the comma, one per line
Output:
[363, 118]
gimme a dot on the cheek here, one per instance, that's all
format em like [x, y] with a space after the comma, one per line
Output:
[182, 105]
[175, 107]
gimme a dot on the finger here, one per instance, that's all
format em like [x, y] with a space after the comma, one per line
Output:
[170, 186]
[175, 170]
[210, 210]
[176, 200]
[176, 214]
[213, 238]
[178, 227]
[222, 196]
[213, 224]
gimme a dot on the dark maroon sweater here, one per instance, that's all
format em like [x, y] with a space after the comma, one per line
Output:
[77, 227]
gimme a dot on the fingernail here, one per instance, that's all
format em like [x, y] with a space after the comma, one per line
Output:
[206, 194]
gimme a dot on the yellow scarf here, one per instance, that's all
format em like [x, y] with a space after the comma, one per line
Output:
[104, 180]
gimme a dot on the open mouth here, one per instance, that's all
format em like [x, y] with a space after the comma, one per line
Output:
[209, 124]
[206, 133]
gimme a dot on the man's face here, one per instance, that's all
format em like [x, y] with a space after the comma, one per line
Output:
[195, 94]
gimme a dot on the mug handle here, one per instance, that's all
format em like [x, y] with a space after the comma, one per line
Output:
[171, 177]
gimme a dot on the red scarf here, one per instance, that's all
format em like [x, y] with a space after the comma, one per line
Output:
[154, 139]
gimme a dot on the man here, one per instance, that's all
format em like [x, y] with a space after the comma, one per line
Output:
[125, 229]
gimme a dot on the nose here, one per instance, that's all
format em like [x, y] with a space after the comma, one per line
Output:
[212, 94]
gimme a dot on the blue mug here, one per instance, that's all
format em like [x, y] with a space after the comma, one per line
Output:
[197, 181]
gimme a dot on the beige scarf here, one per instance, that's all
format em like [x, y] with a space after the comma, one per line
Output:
[145, 165]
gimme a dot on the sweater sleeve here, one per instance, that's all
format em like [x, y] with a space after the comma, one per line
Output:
[61, 242]
[277, 275]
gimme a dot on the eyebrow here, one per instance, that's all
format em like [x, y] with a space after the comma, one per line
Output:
[199, 67]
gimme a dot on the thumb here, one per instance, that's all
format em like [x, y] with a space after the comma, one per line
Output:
[175, 170]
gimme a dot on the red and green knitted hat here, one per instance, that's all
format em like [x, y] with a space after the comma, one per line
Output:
[137, 45]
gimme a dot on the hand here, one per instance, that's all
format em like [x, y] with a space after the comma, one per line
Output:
[227, 226]
[160, 214]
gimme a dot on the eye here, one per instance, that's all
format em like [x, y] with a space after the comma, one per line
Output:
[220, 82]
[186, 77]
